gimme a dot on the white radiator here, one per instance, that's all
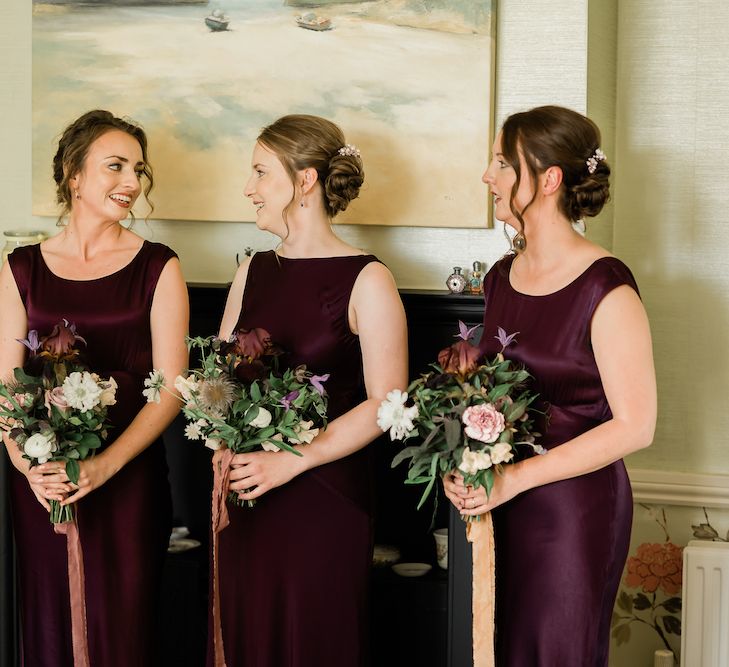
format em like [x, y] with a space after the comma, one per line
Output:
[705, 610]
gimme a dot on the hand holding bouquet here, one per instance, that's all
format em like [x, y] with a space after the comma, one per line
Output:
[468, 414]
[472, 415]
[56, 409]
[240, 400]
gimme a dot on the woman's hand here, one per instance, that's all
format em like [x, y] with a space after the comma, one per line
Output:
[255, 473]
[93, 473]
[470, 501]
[47, 485]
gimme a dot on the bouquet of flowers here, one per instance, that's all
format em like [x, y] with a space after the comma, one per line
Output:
[239, 399]
[473, 415]
[468, 413]
[55, 409]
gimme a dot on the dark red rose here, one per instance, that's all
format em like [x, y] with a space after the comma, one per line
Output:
[460, 358]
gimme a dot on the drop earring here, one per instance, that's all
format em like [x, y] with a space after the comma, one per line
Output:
[518, 243]
[76, 194]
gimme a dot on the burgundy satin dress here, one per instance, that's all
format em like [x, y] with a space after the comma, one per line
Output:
[294, 569]
[124, 525]
[561, 547]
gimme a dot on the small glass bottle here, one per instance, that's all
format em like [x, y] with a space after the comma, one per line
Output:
[456, 282]
[475, 281]
[14, 239]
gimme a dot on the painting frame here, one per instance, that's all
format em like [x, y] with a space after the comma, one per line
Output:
[424, 143]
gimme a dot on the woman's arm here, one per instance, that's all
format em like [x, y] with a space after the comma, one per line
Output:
[377, 316]
[621, 343]
[234, 302]
[14, 327]
[169, 319]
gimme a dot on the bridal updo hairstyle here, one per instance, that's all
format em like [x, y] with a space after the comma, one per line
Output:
[301, 142]
[555, 136]
[73, 147]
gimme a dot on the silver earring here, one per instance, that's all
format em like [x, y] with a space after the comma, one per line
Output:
[518, 243]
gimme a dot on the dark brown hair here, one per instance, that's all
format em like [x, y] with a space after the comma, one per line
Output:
[302, 141]
[555, 136]
[73, 147]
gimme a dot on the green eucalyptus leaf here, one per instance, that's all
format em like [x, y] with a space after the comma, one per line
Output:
[72, 470]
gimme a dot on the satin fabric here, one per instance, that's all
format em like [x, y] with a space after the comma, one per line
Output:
[124, 525]
[561, 547]
[294, 569]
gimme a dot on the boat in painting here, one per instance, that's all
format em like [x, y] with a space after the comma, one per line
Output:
[311, 21]
[320, 3]
[217, 21]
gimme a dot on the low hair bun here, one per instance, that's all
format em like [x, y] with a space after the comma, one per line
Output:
[343, 182]
[587, 198]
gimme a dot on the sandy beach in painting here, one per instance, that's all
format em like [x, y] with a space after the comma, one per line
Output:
[414, 99]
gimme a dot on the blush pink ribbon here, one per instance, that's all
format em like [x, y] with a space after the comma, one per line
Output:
[220, 520]
[77, 592]
[480, 533]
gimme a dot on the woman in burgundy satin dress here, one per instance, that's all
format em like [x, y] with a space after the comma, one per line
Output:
[562, 521]
[294, 569]
[129, 301]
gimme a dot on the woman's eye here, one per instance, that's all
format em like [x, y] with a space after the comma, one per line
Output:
[115, 166]
[259, 173]
[502, 164]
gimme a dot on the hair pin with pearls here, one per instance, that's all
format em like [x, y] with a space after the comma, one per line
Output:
[349, 150]
[592, 162]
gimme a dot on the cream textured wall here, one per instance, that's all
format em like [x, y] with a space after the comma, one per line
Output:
[671, 139]
[671, 215]
[419, 257]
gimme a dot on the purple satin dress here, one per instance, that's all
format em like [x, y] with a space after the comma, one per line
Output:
[561, 547]
[294, 569]
[124, 525]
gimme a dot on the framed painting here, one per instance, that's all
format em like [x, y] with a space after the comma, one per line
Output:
[409, 81]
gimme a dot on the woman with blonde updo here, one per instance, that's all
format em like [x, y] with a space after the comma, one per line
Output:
[294, 569]
[562, 521]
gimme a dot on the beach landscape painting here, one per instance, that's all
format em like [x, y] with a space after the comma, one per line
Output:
[409, 81]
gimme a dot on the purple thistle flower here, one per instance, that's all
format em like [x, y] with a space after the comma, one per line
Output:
[287, 400]
[316, 381]
[505, 339]
[464, 332]
[32, 342]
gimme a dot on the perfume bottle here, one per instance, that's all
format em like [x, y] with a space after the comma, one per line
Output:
[475, 280]
[456, 282]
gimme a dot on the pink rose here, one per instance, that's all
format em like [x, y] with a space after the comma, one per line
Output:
[483, 422]
[55, 397]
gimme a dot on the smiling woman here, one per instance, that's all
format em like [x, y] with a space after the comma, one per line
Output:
[128, 299]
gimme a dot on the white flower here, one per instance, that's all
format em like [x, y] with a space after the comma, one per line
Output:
[154, 384]
[192, 431]
[393, 415]
[263, 418]
[472, 462]
[501, 452]
[304, 433]
[39, 446]
[81, 392]
[213, 443]
[108, 392]
[186, 386]
[270, 445]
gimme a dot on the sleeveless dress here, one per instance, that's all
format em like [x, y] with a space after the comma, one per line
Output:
[294, 569]
[124, 525]
[561, 547]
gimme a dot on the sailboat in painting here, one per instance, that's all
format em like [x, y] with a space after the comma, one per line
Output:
[320, 3]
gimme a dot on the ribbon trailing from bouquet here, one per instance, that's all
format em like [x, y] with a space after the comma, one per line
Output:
[77, 592]
[220, 520]
[480, 533]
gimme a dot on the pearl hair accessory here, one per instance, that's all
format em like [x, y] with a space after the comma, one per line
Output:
[594, 159]
[349, 150]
